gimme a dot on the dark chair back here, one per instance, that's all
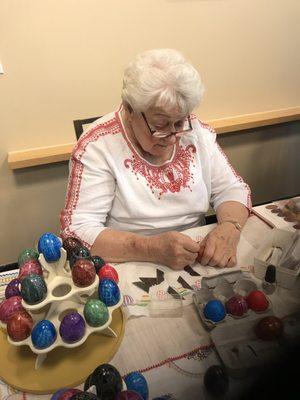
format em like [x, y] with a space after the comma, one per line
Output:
[79, 125]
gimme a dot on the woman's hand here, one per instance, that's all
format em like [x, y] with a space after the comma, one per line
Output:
[218, 248]
[173, 249]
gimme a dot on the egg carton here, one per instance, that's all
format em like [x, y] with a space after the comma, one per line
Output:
[63, 297]
[220, 289]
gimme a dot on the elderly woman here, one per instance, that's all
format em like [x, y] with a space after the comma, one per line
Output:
[144, 173]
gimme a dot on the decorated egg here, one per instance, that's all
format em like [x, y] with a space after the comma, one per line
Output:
[27, 255]
[68, 394]
[19, 326]
[129, 395]
[216, 380]
[43, 334]
[214, 310]
[236, 305]
[33, 289]
[269, 328]
[30, 267]
[84, 396]
[50, 245]
[58, 393]
[83, 273]
[137, 382]
[257, 301]
[98, 263]
[9, 306]
[108, 272]
[78, 253]
[109, 292]
[69, 244]
[107, 380]
[95, 312]
[72, 327]
[13, 288]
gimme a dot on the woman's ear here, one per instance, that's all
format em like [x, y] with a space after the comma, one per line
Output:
[127, 107]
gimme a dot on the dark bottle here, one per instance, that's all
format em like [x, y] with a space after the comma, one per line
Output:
[269, 284]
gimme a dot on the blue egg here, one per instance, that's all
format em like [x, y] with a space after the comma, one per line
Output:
[137, 382]
[109, 292]
[214, 311]
[50, 246]
[43, 334]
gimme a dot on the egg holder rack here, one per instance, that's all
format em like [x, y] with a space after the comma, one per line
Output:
[63, 297]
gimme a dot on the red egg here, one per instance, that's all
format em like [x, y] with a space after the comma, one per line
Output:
[19, 326]
[269, 328]
[257, 301]
[108, 272]
[30, 267]
[236, 305]
[9, 306]
[83, 272]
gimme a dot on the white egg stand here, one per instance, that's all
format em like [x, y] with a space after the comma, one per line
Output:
[63, 297]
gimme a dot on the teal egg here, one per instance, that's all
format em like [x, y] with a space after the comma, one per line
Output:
[95, 312]
[27, 255]
[33, 289]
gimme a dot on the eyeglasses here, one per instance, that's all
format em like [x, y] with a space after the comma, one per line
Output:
[162, 134]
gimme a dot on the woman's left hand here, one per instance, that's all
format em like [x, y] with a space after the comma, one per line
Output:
[218, 248]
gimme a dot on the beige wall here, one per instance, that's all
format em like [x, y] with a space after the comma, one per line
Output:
[63, 60]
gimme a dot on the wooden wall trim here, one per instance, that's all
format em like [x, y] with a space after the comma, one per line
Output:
[52, 154]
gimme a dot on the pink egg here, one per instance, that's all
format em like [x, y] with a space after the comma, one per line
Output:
[9, 306]
[108, 272]
[236, 305]
[30, 267]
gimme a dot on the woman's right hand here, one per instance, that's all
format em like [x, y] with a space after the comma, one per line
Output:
[173, 249]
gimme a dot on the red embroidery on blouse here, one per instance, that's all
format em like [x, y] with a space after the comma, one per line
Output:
[171, 177]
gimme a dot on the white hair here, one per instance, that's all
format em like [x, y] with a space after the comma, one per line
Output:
[161, 78]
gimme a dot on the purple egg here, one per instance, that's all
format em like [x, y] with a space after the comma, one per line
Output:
[72, 327]
[13, 288]
[236, 305]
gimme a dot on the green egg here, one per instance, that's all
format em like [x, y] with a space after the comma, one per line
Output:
[95, 312]
[27, 255]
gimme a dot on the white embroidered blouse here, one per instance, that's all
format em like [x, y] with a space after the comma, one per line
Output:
[111, 185]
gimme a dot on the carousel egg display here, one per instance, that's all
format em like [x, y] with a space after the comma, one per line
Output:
[129, 395]
[95, 312]
[98, 263]
[57, 394]
[50, 245]
[27, 255]
[19, 326]
[84, 396]
[109, 292]
[137, 382]
[108, 272]
[13, 288]
[236, 305]
[107, 380]
[10, 306]
[43, 334]
[68, 394]
[30, 267]
[69, 244]
[216, 380]
[257, 301]
[33, 289]
[72, 327]
[79, 253]
[269, 328]
[83, 273]
[214, 311]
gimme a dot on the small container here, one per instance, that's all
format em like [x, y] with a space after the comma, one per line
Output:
[269, 284]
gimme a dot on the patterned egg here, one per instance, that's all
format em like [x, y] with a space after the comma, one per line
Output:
[109, 292]
[108, 272]
[33, 289]
[30, 267]
[214, 311]
[72, 327]
[236, 305]
[9, 306]
[69, 244]
[95, 312]
[43, 334]
[19, 326]
[257, 301]
[107, 380]
[269, 328]
[98, 263]
[79, 253]
[58, 393]
[84, 396]
[83, 273]
[13, 288]
[137, 382]
[129, 395]
[27, 255]
[68, 394]
[50, 245]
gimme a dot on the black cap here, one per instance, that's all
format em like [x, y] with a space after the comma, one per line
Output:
[270, 274]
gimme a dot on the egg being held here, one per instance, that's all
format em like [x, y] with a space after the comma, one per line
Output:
[33, 289]
[107, 380]
[108, 272]
[269, 328]
[30, 267]
[50, 245]
[13, 288]
[27, 255]
[137, 382]
[214, 311]
[72, 327]
[19, 326]
[9, 306]
[109, 292]
[95, 312]
[236, 305]
[83, 273]
[43, 334]
[257, 301]
[216, 380]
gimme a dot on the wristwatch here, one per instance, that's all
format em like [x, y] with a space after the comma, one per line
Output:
[235, 223]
